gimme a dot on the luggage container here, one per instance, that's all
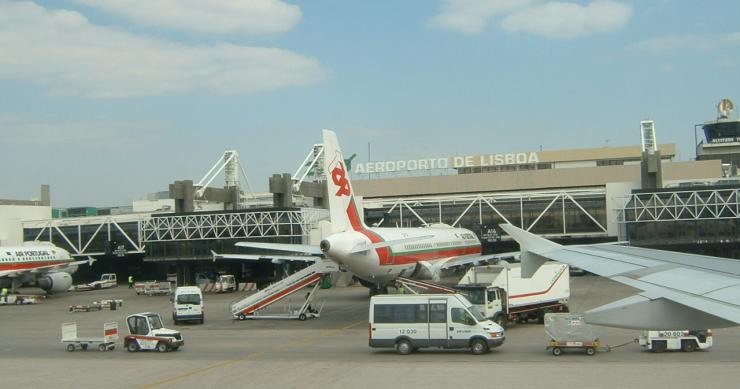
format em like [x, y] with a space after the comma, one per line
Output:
[569, 331]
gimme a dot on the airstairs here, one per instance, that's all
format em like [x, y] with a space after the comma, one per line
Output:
[417, 287]
[249, 307]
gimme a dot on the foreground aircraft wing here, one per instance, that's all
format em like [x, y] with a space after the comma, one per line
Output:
[273, 258]
[45, 269]
[678, 291]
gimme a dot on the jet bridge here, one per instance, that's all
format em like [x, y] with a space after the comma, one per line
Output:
[249, 307]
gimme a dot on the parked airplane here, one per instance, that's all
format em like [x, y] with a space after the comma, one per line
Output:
[677, 290]
[377, 255]
[46, 265]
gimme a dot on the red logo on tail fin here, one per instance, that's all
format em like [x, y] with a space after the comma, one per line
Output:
[339, 176]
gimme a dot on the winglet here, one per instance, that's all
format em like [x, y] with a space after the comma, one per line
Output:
[531, 247]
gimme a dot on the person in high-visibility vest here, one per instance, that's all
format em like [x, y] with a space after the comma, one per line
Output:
[130, 281]
[4, 295]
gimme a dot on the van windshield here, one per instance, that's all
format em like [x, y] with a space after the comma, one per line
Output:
[476, 313]
[188, 299]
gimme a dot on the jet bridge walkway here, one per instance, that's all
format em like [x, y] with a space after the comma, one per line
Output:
[249, 307]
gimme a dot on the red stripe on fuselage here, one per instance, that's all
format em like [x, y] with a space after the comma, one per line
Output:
[29, 265]
[386, 257]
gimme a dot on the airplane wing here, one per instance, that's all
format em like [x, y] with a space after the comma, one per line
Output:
[273, 258]
[45, 269]
[678, 291]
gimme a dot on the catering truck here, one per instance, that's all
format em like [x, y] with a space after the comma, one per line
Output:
[410, 322]
[502, 295]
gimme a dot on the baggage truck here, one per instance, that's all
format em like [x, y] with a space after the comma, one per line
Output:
[502, 295]
[410, 322]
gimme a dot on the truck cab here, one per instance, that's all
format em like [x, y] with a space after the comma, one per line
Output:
[146, 332]
[490, 301]
[187, 304]
[225, 283]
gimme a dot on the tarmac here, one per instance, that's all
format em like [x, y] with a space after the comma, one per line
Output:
[332, 351]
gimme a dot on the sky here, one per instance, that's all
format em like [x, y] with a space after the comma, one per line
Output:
[107, 100]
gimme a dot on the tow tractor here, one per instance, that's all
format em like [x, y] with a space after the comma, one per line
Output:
[685, 340]
[147, 333]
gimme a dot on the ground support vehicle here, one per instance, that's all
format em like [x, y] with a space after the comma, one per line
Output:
[502, 295]
[225, 283]
[685, 340]
[104, 343]
[94, 306]
[569, 331]
[187, 304]
[21, 299]
[410, 322]
[147, 333]
[106, 281]
[252, 306]
[157, 288]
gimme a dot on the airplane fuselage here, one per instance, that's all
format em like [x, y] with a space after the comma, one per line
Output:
[382, 265]
[23, 258]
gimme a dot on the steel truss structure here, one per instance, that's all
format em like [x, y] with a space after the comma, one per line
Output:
[681, 205]
[87, 235]
[523, 209]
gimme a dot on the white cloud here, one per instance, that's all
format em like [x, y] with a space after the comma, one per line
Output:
[568, 20]
[64, 52]
[688, 43]
[472, 16]
[550, 19]
[31, 131]
[213, 16]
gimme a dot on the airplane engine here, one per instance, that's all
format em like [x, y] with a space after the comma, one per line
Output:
[55, 282]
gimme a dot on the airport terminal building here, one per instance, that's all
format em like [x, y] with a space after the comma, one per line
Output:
[638, 193]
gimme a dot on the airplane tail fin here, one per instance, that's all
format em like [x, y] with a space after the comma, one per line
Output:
[344, 213]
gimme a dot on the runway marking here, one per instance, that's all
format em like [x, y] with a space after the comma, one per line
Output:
[281, 347]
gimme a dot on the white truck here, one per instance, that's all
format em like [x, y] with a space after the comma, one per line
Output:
[225, 283]
[502, 295]
[686, 340]
[107, 280]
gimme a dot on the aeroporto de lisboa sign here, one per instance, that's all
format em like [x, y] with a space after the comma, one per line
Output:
[410, 165]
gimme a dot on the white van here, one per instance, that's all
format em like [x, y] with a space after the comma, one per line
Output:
[409, 322]
[187, 304]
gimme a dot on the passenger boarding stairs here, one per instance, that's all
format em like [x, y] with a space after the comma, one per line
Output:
[247, 307]
[415, 286]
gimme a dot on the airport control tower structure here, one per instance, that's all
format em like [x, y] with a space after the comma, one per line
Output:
[721, 138]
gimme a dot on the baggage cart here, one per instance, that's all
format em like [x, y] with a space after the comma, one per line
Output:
[569, 331]
[104, 343]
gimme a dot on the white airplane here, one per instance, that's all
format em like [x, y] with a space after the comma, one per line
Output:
[47, 266]
[377, 256]
[676, 290]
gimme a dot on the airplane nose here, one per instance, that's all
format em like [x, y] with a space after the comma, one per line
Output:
[324, 246]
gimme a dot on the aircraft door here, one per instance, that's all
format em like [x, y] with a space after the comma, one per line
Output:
[438, 322]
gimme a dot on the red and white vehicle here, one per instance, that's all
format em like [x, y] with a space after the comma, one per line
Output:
[45, 265]
[502, 295]
[147, 333]
[377, 256]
